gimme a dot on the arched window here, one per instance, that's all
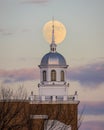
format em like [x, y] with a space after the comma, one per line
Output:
[62, 75]
[44, 76]
[53, 75]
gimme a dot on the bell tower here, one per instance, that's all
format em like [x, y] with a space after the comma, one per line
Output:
[53, 67]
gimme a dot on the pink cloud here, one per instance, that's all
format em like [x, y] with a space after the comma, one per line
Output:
[24, 74]
[92, 125]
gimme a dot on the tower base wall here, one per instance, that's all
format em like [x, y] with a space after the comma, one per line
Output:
[53, 91]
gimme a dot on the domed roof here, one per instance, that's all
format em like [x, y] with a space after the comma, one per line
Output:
[53, 59]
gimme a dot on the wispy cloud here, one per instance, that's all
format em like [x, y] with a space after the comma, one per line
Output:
[34, 1]
[93, 116]
[88, 74]
[6, 32]
[92, 125]
[25, 30]
[10, 76]
[92, 108]
[91, 74]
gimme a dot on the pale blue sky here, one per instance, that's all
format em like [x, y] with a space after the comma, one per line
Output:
[22, 46]
[21, 23]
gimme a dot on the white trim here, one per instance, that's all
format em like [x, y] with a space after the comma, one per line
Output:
[39, 116]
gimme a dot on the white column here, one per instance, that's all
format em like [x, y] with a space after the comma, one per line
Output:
[48, 74]
[58, 74]
[65, 98]
[40, 75]
[76, 95]
[43, 98]
[54, 98]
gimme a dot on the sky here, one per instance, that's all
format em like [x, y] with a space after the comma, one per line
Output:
[22, 47]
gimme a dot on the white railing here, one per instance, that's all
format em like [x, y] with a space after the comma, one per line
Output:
[55, 83]
[50, 98]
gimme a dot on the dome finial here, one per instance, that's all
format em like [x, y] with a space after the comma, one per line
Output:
[53, 45]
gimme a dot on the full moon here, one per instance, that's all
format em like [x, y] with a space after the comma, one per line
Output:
[59, 31]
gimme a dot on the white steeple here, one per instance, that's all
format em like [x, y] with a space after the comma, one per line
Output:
[53, 67]
[53, 45]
